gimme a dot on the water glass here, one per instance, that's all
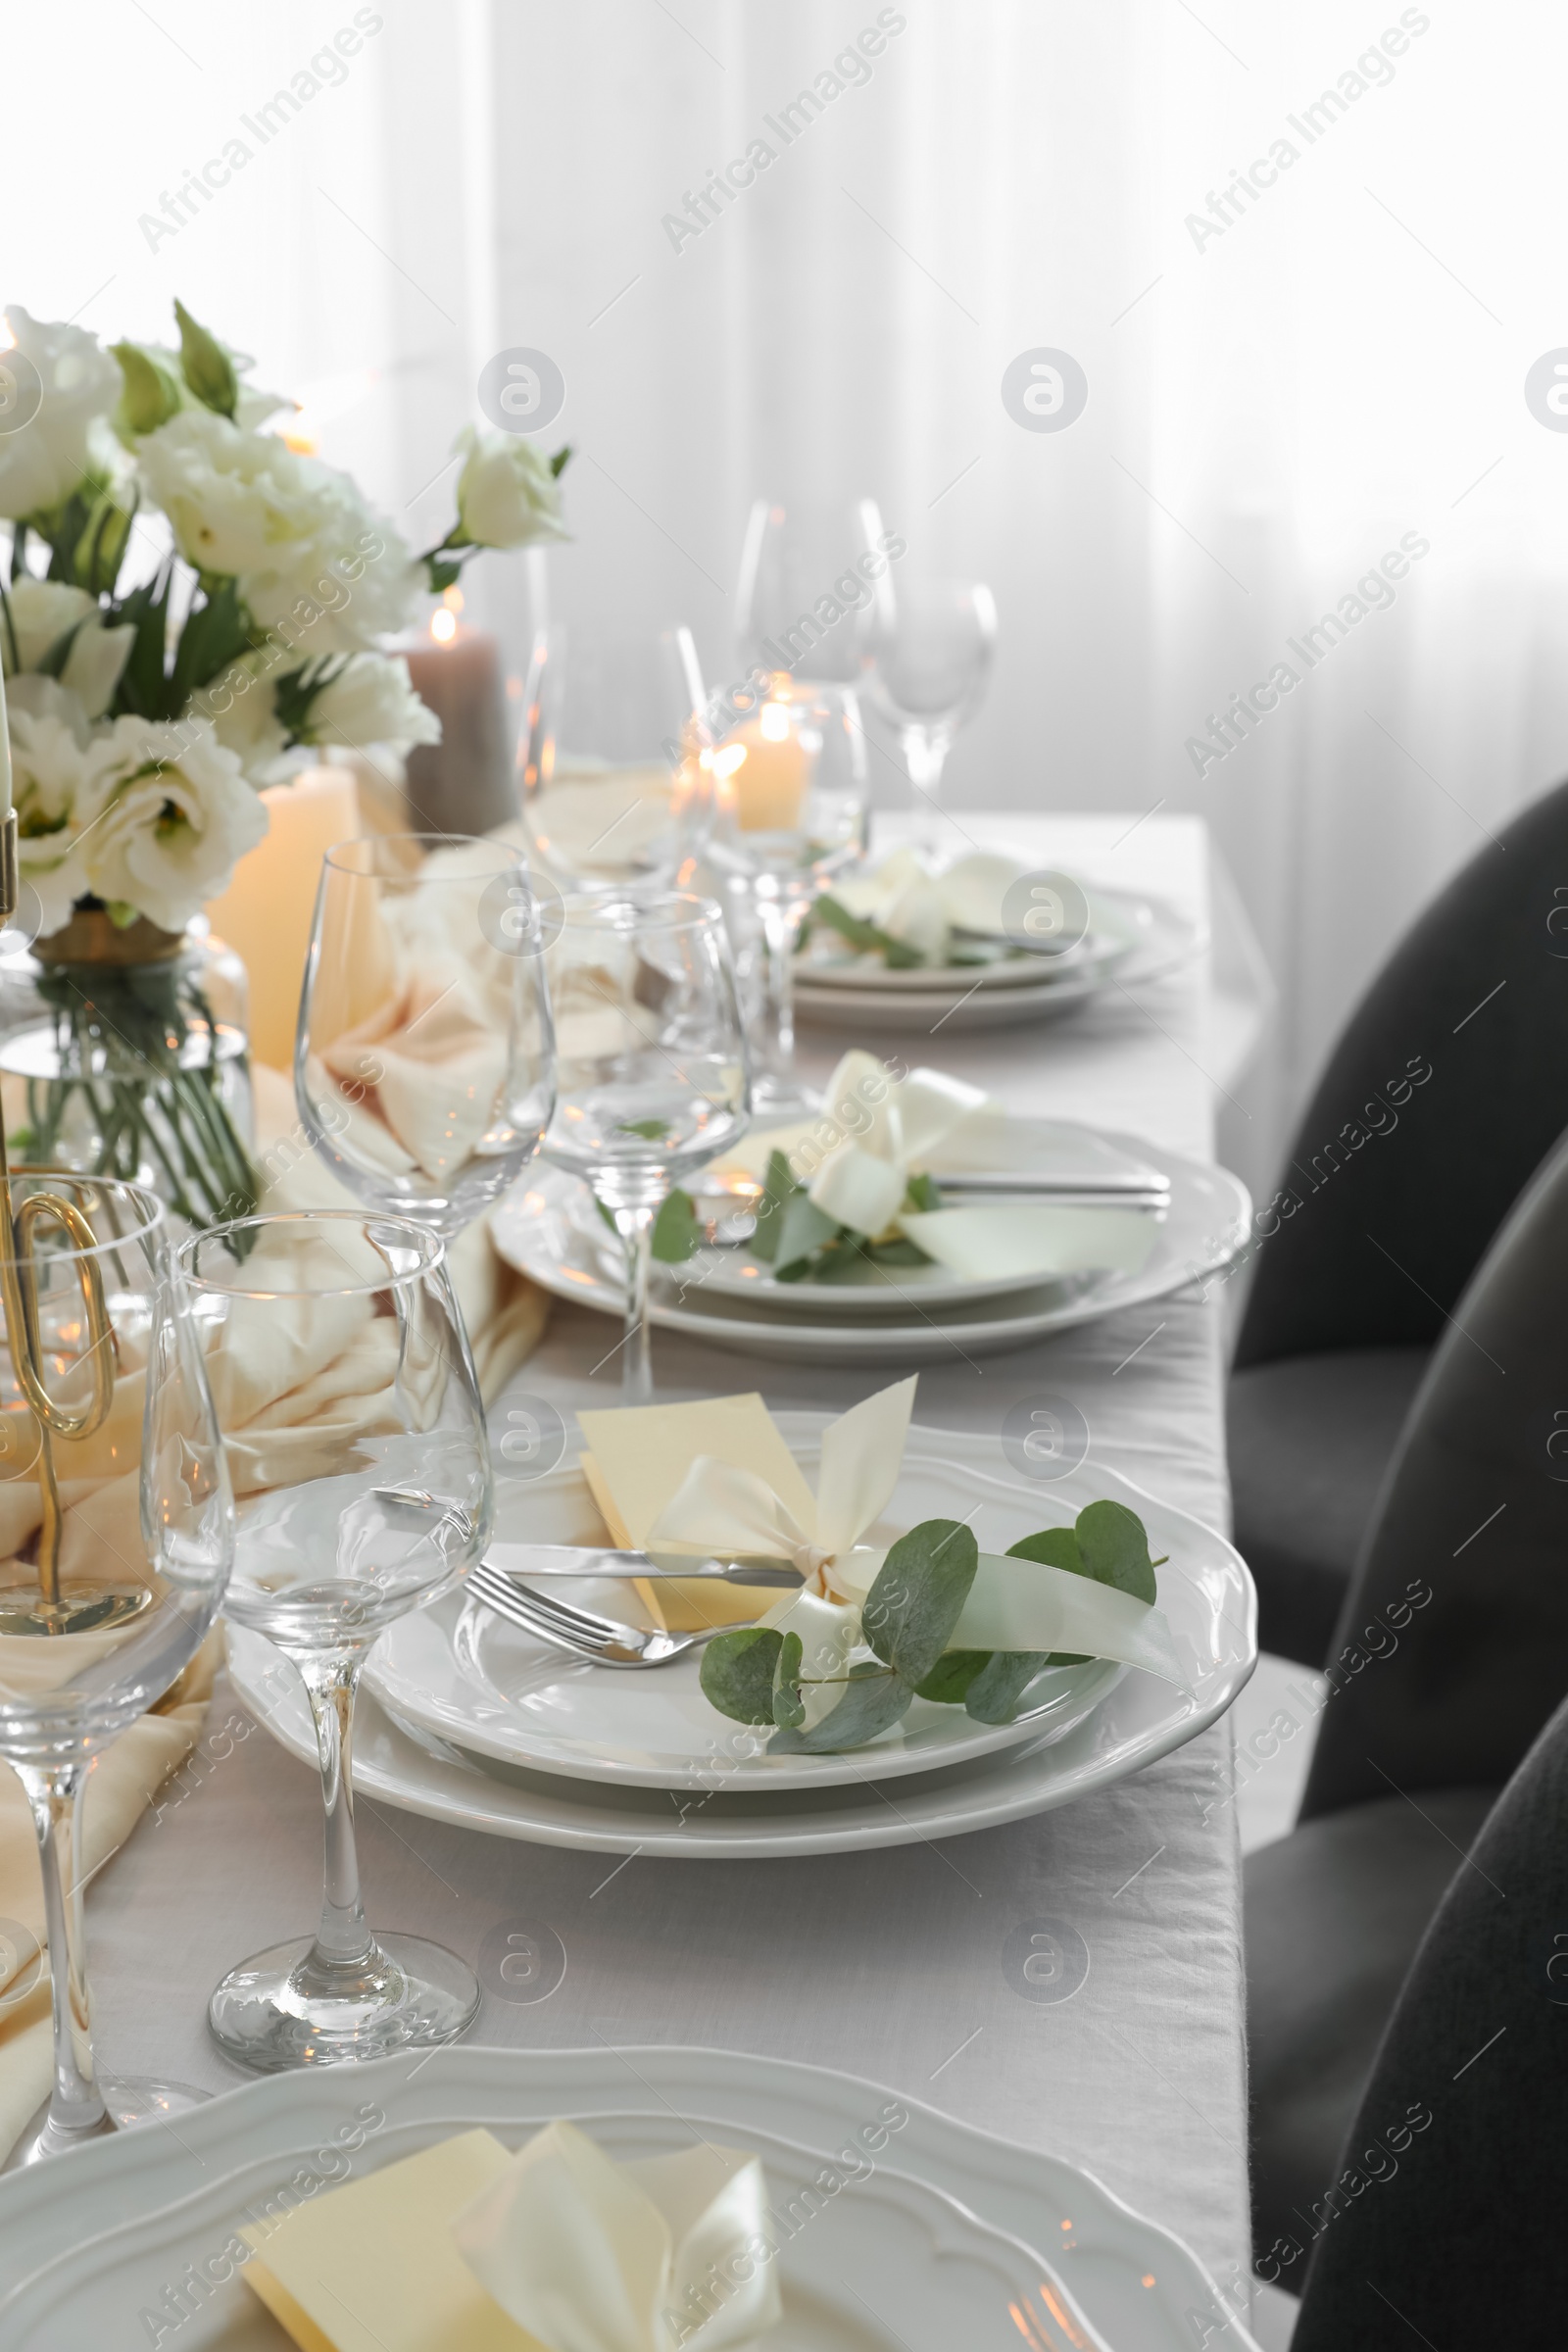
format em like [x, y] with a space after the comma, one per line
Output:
[930, 644]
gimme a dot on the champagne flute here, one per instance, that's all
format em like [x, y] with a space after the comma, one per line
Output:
[104, 1606]
[807, 578]
[352, 1511]
[929, 644]
[610, 795]
[653, 1078]
[791, 809]
[424, 1067]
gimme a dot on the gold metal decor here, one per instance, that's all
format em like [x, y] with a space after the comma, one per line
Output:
[47, 1610]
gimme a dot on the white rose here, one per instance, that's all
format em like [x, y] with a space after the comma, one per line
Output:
[507, 493]
[313, 562]
[44, 460]
[54, 776]
[42, 611]
[371, 699]
[170, 814]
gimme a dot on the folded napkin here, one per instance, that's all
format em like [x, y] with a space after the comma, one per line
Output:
[921, 906]
[465, 2245]
[707, 1479]
[876, 1131]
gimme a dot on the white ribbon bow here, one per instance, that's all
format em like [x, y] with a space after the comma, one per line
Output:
[592, 2256]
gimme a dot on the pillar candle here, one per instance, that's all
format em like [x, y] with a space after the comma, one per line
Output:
[464, 783]
[764, 772]
[267, 910]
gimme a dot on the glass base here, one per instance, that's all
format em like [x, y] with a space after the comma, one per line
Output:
[131, 2101]
[281, 2009]
[775, 1099]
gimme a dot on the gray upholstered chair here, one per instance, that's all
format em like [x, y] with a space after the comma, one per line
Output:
[1450, 1654]
[1446, 1090]
[1446, 2225]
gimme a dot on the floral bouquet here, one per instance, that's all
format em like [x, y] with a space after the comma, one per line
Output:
[194, 610]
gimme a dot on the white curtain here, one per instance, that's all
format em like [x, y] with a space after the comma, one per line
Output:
[1274, 404]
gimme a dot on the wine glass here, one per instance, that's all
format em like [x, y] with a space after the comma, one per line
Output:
[929, 644]
[424, 1065]
[610, 793]
[807, 580]
[118, 1527]
[652, 1068]
[790, 810]
[356, 1439]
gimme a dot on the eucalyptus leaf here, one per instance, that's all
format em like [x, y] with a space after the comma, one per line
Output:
[789, 1707]
[949, 1678]
[994, 1694]
[801, 1229]
[1114, 1545]
[677, 1229]
[918, 1596]
[778, 1186]
[737, 1672]
[922, 1192]
[1055, 1548]
[896, 954]
[874, 1699]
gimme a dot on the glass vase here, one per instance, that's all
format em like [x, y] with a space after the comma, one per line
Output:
[124, 1053]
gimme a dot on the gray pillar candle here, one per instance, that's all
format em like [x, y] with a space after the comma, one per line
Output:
[464, 783]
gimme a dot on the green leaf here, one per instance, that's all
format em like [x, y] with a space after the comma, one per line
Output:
[778, 1186]
[921, 1193]
[206, 366]
[442, 572]
[1114, 1544]
[949, 1678]
[994, 1694]
[558, 463]
[144, 682]
[1055, 1548]
[801, 1229]
[873, 1700]
[895, 952]
[789, 1707]
[738, 1670]
[902, 1252]
[215, 634]
[677, 1229]
[651, 1131]
[918, 1596]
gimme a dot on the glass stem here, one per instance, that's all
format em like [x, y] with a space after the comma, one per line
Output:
[76, 2109]
[635, 1226]
[780, 923]
[343, 1941]
[925, 755]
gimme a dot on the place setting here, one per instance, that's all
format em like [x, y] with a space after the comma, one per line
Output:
[275, 1306]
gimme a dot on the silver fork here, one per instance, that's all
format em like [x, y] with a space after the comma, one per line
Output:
[586, 1635]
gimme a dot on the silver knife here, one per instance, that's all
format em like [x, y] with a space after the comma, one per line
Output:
[582, 1559]
[1094, 1192]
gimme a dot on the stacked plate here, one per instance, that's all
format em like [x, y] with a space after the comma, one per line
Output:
[1130, 941]
[1129, 1223]
[467, 1719]
[897, 2226]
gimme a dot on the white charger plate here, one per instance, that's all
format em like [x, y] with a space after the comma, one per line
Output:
[954, 1000]
[1206, 1220]
[462, 1671]
[143, 2207]
[1212, 1609]
[1097, 952]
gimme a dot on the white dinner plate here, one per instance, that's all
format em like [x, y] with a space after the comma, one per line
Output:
[1097, 952]
[1162, 944]
[1212, 1611]
[539, 1229]
[459, 1669]
[83, 2269]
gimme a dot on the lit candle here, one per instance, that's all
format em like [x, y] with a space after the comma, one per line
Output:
[461, 784]
[762, 773]
[266, 912]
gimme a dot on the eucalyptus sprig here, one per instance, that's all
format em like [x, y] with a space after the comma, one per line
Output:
[796, 1237]
[758, 1675]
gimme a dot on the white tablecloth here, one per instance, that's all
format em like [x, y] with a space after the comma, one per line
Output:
[896, 1965]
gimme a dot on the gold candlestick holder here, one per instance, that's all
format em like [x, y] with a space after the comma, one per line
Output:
[42, 1606]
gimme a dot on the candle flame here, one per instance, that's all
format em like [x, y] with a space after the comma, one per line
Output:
[443, 626]
[774, 722]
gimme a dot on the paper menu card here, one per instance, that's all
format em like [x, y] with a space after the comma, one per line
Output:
[374, 2268]
[640, 1457]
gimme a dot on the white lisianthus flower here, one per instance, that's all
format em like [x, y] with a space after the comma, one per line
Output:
[371, 699]
[42, 611]
[239, 706]
[45, 459]
[507, 493]
[53, 777]
[169, 815]
[313, 562]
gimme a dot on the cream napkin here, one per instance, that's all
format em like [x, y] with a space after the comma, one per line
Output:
[875, 1131]
[593, 2256]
